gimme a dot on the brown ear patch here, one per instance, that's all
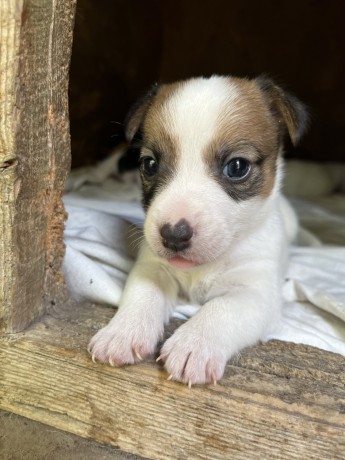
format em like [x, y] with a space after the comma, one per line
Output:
[137, 113]
[291, 113]
[248, 129]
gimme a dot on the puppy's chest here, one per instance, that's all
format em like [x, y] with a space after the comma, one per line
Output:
[195, 287]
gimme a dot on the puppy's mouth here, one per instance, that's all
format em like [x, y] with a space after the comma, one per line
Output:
[181, 262]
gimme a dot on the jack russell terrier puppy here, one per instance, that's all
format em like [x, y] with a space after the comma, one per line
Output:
[216, 228]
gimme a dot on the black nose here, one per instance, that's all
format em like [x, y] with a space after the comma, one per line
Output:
[176, 237]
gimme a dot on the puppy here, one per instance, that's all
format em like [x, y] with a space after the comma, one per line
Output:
[211, 168]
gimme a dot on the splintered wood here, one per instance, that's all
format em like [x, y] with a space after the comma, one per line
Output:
[276, 400]
[35, 49]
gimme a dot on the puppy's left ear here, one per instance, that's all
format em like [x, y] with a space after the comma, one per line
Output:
[137, 113]
[291, 113]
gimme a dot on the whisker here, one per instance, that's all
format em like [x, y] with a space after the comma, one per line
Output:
[132, 231]
[136, 243]
[113, 122]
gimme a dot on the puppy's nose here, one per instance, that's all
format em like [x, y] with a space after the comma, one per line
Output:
[176, 237]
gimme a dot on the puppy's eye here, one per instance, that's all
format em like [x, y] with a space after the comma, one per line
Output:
[237, 168]
[148, 166]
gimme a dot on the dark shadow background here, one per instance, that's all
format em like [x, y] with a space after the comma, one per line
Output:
[122, 46]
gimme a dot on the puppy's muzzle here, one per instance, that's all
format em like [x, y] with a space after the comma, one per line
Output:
[176, 237]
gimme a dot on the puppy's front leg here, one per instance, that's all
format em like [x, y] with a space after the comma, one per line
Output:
[135, 329]
[198, 351]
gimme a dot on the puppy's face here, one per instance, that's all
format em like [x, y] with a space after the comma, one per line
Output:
[210, 162]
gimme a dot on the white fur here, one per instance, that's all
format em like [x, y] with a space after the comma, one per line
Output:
[238, 246]
[200, 102]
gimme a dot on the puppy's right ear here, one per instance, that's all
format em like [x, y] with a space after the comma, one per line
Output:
[137, 113]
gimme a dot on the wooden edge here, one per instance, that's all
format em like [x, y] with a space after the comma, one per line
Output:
[35, 51]
[276, 400]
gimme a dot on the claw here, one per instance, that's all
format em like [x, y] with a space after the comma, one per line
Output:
[189, 384]
[137, 354]
[170, 377]
[111, 362]
[159, 358]
[93, 359]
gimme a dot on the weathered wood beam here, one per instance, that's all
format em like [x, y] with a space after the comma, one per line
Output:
[35, 50]
[277, 400]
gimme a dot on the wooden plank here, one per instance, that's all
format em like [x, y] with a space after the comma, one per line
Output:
[35, 48]
[277, 400]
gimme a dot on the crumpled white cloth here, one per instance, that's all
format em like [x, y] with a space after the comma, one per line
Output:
[104, 206]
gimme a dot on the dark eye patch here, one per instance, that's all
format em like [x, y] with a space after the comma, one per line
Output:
[239, 169]
[157, 168]
[149, 167]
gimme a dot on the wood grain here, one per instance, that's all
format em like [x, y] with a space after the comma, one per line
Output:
[35, 49]
[276, 400]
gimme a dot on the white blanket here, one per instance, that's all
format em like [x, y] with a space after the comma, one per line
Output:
[102, 206]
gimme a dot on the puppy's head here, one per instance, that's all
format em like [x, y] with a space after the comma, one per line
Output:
[210, 161]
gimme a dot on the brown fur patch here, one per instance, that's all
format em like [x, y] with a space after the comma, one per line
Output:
[157, 139]
[157, 123]
[247, 129]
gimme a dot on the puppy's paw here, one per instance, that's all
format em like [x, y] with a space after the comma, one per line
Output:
[124, 341]
[193, 357]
